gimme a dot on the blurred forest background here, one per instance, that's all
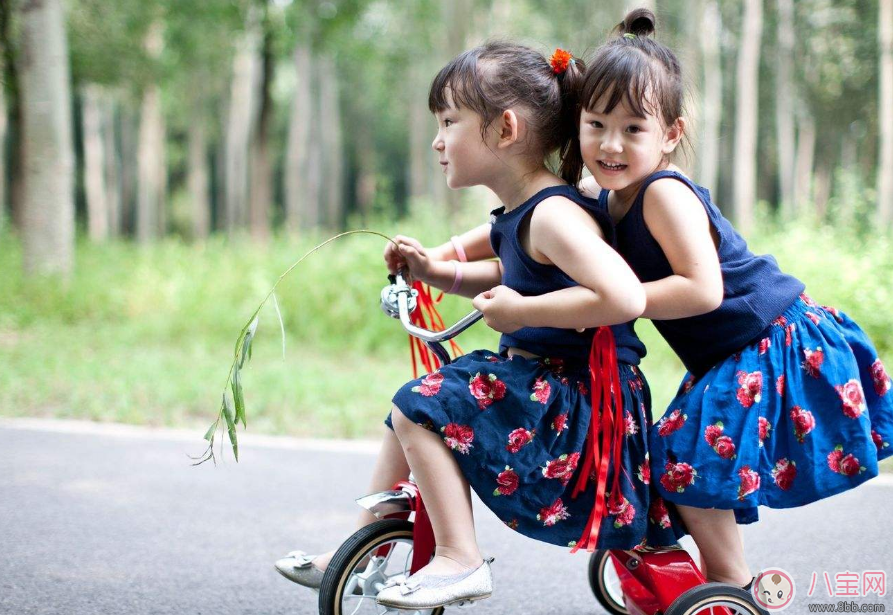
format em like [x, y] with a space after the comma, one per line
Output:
[164, 161]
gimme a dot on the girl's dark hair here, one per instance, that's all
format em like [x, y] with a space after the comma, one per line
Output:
[636, 70]
[500, 75]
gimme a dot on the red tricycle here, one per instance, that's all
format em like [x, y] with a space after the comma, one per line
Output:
[647, 581]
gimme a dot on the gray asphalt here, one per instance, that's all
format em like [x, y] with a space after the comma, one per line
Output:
[97, 523]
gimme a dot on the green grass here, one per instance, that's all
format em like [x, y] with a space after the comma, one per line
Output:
[144, 335]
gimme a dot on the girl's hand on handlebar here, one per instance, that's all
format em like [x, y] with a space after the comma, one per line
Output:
[408, 253]
[500, 307]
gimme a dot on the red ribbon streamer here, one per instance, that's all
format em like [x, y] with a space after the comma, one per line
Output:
[418, 351]
[607, 418]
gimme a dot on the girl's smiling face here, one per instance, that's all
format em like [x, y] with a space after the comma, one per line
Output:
[621, 148]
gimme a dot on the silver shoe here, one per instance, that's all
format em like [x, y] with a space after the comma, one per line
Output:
[431, 591]
[297, 566]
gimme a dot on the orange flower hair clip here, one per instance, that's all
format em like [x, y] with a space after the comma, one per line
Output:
[560, 60]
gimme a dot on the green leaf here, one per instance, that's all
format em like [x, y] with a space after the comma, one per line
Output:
[230, 425]
[246, 338]
[210, 433]
[238, 396]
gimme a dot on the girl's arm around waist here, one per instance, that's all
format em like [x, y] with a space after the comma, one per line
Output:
[563, 234]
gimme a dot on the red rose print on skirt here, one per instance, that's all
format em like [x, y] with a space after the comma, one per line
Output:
[644, 470]
[519, 438]
[458, 437]
[750, 482]
[878, 440]
[507, 481]
[559, 423]
[721, 444]
[562, 468]
[678, 476]
[848, 465]
[779, 384]
[784, 473]
[550, 515]
[852, 397]
[623, 512]
[834, 312]
[512, 525]
[880, 378]
[541, 391]
[630, 424]
[812, 363]
[814, 318]
[430, 384]
[671, 423]
[765, 344]
[658, 513]
[803, 422]
[765, 427]
[750, 385]
[486, 389]
[688, 385]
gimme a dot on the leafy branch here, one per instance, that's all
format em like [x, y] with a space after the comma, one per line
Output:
[232, 405]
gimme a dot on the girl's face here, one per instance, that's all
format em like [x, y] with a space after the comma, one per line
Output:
[620, 149]
[466, 158]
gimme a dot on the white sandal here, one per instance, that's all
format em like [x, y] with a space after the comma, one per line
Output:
[432, 591]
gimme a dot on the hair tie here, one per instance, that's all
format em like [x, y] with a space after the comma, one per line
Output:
[629, 35]
[560, 60]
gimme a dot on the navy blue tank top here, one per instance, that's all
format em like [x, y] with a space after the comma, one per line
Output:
[755, 293]
[529, 278]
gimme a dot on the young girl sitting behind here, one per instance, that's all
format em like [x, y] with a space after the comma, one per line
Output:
[515, 425]
[786, 401]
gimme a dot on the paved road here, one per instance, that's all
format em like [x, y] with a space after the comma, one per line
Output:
[97, 520]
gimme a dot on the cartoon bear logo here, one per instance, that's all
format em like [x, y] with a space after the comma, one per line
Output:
[773, 589]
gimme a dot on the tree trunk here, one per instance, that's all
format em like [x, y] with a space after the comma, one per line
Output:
[243, 107]
[199, 177]
[822, 188]
[712, 106]
[805, 162]
[129, 169]
[311, 203]
[746, 91]
[13, 112]
[112, 171]
[885, 167]
[3, 158]
[420, 136]
[784, 104]
[151, 163]
[261, 171]
[94, 165]
[364, 148]
[297, 156]
[333, 153]
[48, 154]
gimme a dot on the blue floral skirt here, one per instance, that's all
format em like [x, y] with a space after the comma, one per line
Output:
[517, 428]
[800, 415]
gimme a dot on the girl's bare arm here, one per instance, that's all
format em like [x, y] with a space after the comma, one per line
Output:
[679, 223]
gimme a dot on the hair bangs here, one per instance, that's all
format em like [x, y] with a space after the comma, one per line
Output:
[458, 84]
[619, 77]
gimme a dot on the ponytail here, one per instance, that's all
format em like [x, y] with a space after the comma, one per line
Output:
[571, 161]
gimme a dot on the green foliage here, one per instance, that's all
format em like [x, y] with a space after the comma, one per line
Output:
[144, 335]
